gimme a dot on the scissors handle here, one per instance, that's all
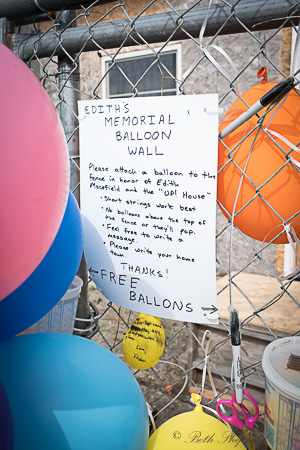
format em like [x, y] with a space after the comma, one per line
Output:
[249, 421]
[234, 418]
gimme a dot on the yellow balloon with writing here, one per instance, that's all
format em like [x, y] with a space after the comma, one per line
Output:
[194, 429]
[144, 342]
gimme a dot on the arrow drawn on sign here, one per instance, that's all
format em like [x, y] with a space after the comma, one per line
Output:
[93, 271]
[213, 309]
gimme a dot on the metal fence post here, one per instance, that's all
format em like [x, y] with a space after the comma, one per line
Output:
[69, 88]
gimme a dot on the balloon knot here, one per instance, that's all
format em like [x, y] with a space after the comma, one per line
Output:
[197, 399]
[262, 73]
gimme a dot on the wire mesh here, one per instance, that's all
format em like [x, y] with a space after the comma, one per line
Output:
[74, 53]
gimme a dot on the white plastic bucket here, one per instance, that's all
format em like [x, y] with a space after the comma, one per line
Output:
[61, 318]
[282, 396]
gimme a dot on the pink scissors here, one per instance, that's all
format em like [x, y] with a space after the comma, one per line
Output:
[248, 423]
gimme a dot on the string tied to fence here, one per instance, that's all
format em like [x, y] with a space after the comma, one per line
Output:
[290, 232]
[205, 52]
[206, 369]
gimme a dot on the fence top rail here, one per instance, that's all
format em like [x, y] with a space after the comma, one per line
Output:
[12, 9]
[223, 18]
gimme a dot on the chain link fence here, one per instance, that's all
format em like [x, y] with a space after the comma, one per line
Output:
[106, 49]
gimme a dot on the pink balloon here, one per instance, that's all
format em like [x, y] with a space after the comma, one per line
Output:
[34, 172]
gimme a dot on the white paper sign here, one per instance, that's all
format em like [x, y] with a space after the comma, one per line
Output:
[148, 170]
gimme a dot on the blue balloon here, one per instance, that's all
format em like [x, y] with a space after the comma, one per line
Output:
[51, 279]
[67, 392]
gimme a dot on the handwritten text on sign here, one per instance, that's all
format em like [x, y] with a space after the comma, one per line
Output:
[148, 171]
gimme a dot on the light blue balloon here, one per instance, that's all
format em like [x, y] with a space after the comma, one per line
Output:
[6, 422]
[67, 392]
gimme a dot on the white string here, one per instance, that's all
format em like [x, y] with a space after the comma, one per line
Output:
[295, 53]
[291, 232]
[204, 51]
[182, 389]
[286, 141]
[39, 6]
[207, 368]
[149, 409]
[206, 358]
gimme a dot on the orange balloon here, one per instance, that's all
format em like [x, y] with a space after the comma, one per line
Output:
[271, 182]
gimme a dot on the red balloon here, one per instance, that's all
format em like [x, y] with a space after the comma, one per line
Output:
[34, 172]
[270, 181]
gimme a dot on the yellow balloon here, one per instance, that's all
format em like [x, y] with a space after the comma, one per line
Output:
[144, 342]
[195, 428]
